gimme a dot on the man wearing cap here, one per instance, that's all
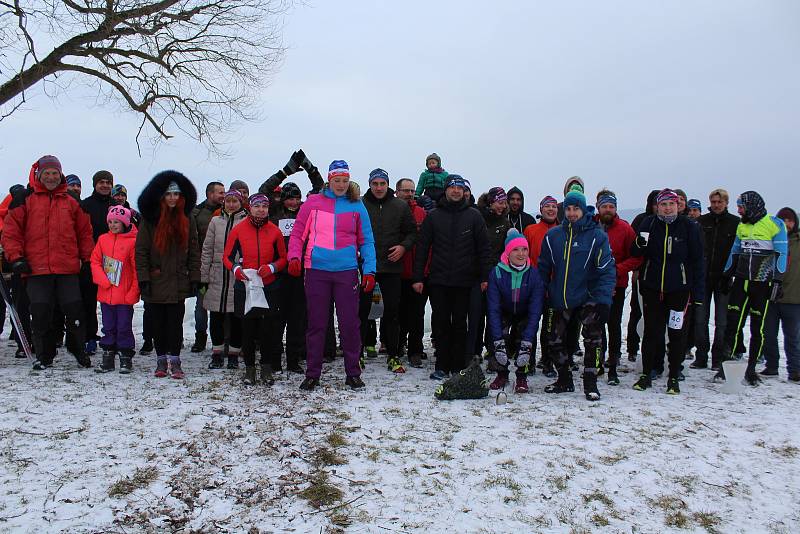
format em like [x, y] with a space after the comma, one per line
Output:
[672, 277]
[695, 209]
[74, 185]
[456, 238]
[577, 267]
[46, 214]
[620, 237]
[395, 232]
[119, 197]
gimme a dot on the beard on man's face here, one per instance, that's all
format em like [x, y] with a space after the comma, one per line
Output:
[607, 218]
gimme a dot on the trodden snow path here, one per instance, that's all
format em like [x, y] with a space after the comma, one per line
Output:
[87, 452]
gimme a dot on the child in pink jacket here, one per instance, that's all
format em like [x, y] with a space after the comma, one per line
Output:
[114, 272]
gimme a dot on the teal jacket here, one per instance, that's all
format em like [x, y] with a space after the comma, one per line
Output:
[431, 180]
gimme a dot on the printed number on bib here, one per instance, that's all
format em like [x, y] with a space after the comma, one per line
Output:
[675, 319]
[286, 226]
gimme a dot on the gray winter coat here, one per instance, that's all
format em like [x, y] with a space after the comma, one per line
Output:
[219, 295]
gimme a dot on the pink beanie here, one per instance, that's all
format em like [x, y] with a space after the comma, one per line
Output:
[514, 239]
[119, 213]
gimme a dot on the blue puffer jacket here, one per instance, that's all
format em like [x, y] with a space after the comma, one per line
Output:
[577, 265]
[517, 293]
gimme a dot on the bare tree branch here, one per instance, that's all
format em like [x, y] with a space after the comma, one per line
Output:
[192, 65]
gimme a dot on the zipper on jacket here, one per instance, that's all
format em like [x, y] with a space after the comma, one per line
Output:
[664, 264]
[568, 253]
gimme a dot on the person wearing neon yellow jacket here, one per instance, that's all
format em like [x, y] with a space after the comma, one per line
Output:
[755, 269]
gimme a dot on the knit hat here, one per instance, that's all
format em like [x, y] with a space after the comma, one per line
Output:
[102, 175]
[173, 188]
[290, 190]
[514, 239]
[455, 180]
[574, 198]
[789, 213]
[571, 184]
[258, 199]
[118, 189]
[754, 209]
[607, 199]
[694, 204]
[467, 185]
[547, 200]
[119, 213]
[666, 195]
[338, 167]
[48, 162]
[496, 194]
[434, 157]
[378, 174]
[73, 179]
[235, 193]
[239, 184]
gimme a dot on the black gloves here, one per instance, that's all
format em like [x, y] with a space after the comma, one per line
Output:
[294, 163]
[21, 266]
[144, 289]
[777, 291]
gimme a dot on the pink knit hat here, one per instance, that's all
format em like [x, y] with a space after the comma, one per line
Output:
[514, 239]
[119, 213]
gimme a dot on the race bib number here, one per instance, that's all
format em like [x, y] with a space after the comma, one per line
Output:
[286, 226]
[675, 319]
[113, 269]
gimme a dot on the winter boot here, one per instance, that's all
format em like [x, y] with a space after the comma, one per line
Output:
[720, 376]
[643, 383]
[126, 361]
[175, 367]
[161, 367]
[522, 384]
[673, 386]
[394, 365]
[354, 382]
[500, 381]
[590, 385]
[147, 347]
[266, 375]
[217, 359]
[108, 362]
[84, 360]
[415, 360]
[549, 371]
[751, 377]
[613, 378]
[309, 384]
[563, 383]
[249, 378]
[233, 359]
[200, 339]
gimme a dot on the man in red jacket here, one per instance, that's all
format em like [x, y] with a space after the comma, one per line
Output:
[621, 237]
[46, 238]
[412, 304]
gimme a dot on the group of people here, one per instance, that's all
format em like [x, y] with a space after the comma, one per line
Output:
[278, 265]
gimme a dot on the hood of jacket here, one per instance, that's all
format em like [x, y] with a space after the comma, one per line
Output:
[150, 199]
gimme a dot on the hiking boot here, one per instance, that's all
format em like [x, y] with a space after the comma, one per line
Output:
[766, 371]
[108, 362]
[175, 368]
[643, 383]
[266, 375]
[751, 377]
[217, 360]
[147, 347]
[590, 386]
[673, 386]
[371, 352]
[438, 375]
[720, 376]
[200, 339]
[233, 360]
[83, 360]
[161, 367]
[613, 378]
[395, 366]
[354, 382]
[126, 361]
[415, 360]
[500, 381]
[563, 383]
[309, 383]
[249, 378]
[522, 385]
[632, 356]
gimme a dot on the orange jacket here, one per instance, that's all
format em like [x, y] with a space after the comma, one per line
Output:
[535, 233]
[4, 210]
[120, 247]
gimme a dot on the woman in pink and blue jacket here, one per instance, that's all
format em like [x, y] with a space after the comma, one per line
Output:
[331, 231]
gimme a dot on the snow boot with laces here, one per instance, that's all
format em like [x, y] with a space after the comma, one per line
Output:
[522, 384]
[500, 381]
[175, 367]
[161, 367]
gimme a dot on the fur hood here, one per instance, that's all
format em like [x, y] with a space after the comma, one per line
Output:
[150, 199]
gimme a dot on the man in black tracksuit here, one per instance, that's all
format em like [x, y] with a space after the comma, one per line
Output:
[456, 237]
[292, 289]
[719, 232]
[671, 277]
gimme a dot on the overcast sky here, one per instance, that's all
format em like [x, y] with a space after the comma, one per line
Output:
[630, 95]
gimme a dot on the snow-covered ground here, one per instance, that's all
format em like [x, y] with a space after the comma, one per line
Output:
[85, 452]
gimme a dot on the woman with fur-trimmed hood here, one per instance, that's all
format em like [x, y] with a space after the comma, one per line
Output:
[167, 262]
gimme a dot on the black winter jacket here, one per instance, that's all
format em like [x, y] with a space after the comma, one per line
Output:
[96, 205]
[673, 257]
[392, 224]
[456, 237]
[719, 232]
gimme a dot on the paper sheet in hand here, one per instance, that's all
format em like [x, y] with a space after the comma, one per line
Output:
[113, 269]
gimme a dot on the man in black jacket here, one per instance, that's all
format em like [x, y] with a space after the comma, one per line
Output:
[719, 231]
[395, 232]
[516, 210]
[456, 237]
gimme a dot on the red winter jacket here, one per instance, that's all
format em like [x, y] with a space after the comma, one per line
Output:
[534, 234]
[49, 229]
[408, 258]
[621, 237]
[120, 247]
[255, 247]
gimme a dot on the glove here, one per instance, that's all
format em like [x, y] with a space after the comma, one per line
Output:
[600, 311]
[368, 283]
[295, 267]
[144, 288]
[305, 163]
[238, 272]
[203, 289]
[293, 165]
[524, 356]
[500, 352]
[21, 266]
[777, 291]
[266, 270]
